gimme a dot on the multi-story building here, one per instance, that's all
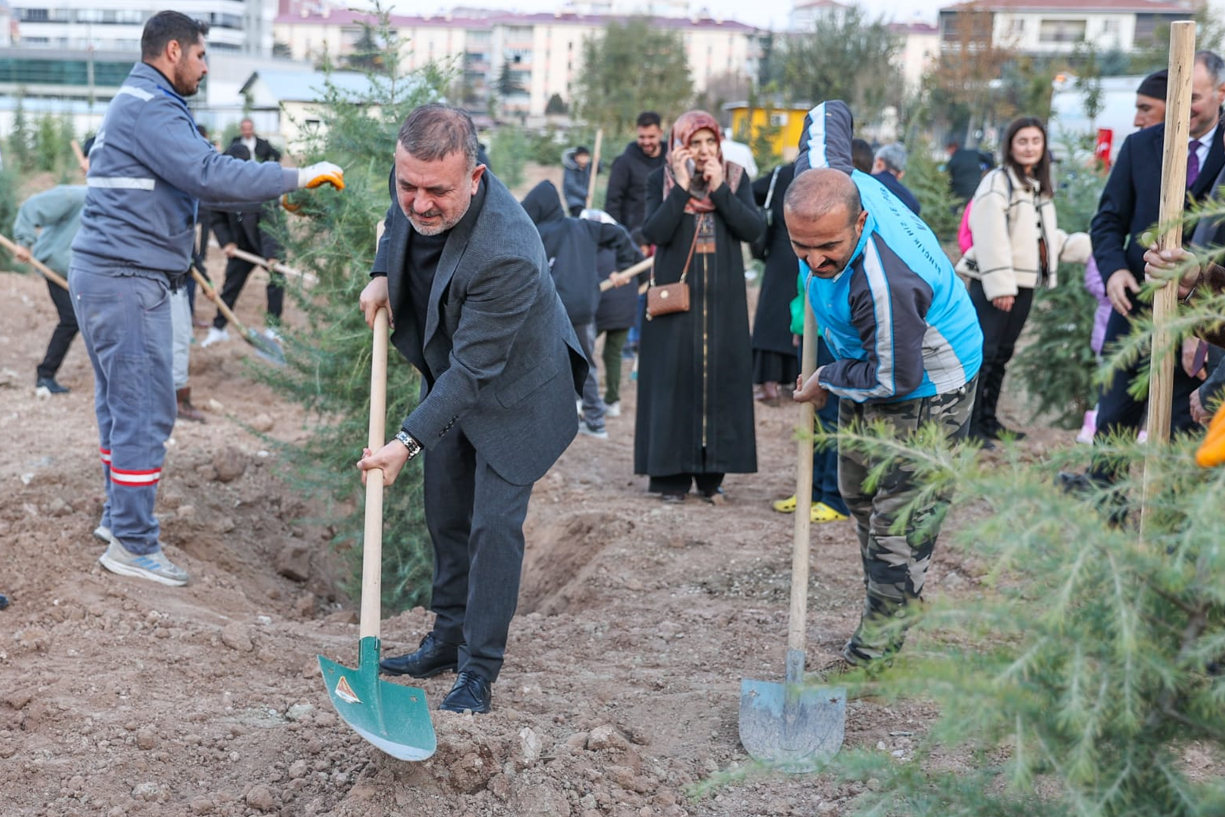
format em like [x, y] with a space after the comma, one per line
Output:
[1059, 26]
[236, 26]
[533, 56]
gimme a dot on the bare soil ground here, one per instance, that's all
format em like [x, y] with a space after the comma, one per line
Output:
[637, 622]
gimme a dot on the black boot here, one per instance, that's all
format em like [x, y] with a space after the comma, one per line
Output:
[432, 658]
[50, 385]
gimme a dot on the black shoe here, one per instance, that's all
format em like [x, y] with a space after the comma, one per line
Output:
[1078, 484]
[984, 442]
[996, 431]
[471, 693]
[432, 658]
[4, 601]
[50, 385]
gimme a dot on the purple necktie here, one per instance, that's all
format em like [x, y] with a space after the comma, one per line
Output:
[1192, 162]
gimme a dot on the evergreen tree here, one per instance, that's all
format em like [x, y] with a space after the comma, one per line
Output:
[632, 67]
[328, 369]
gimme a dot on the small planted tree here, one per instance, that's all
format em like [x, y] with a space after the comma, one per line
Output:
[328, 370]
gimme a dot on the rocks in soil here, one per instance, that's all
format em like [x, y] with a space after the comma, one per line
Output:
[236, 636]
[260, 797]
[229, 464]
[294, 561]
[262, 423]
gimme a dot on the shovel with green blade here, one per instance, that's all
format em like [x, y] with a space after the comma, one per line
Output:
[394, 718]
[791, 726]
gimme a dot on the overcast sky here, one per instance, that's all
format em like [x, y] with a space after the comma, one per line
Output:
[765, 13]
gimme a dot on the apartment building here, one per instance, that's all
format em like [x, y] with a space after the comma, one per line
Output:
[540, 54]
[1043, 27]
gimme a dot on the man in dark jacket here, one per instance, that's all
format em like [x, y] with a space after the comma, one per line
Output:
[576, 176]
[246, 231]
[888, 168]
[966, 168]
[258, 148]
[572, 245]
[626, 200]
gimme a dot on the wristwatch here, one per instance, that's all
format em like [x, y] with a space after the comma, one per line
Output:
[414, 447]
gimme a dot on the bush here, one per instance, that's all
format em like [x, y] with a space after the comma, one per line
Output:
[930, 185]
[328, 369]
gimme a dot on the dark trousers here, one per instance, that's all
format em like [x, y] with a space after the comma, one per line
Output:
[475, 519]
[1118, 411]
[236, 272]
[707, 484]
[614, 339]
[64, 332]
[1000, 332]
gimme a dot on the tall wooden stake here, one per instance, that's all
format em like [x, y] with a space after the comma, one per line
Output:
[1173, 199]
[595, 167]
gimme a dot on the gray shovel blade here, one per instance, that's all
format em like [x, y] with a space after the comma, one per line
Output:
[795, 732]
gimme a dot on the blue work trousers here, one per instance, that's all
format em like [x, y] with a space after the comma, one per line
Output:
[125, 323]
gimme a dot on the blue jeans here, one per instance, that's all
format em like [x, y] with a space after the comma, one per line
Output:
[125, 323]
[825, 462]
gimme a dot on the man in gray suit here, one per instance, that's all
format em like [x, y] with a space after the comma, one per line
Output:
[465, 277]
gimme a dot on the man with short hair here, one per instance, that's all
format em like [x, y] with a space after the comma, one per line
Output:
[1129, 206]
[907, 350]
[259, 149]
[576, 175]
[888, 168]
[966, 168]
[463, 273]
[148, 172]
[626, 199]
[1150, 99]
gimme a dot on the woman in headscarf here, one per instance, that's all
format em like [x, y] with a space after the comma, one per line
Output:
[695, 391]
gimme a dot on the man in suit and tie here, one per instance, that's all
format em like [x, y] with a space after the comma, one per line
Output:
[466, 281]
[1130, 205]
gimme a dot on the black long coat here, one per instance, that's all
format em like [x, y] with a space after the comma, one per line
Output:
[695, 370]
[772, 323]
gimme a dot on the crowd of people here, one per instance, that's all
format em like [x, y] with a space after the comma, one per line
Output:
[506, 341]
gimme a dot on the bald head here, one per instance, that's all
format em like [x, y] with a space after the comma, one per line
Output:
[821, 191]
[825, 218]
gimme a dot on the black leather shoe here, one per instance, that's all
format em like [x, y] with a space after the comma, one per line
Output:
[432, 658]
[471, 693]
[50, 385]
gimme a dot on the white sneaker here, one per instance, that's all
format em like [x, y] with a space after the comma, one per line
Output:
[272, 334]
[152, 566]
[1088, 429]
[578, 406]
[104, 533]
[215, 335]
[612, 409]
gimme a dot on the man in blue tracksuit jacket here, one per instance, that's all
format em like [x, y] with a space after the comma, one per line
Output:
[907, 348]
[149, 170]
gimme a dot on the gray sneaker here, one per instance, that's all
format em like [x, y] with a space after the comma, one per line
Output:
[590, 430]
[104, 533]
[152, 566]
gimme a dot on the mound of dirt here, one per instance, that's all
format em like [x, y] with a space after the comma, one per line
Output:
[621, 688]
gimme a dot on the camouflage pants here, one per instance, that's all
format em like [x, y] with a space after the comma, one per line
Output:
[894, 564]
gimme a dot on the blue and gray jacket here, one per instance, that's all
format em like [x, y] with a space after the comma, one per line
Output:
[898, 319]
[149, 171]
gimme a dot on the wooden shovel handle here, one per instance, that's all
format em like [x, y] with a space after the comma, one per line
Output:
[372, 536]
[644, 264]
[595, 167]
[798, 618]
[48, 273]
[212, 295]
[275, 266]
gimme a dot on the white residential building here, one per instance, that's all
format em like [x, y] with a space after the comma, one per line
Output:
[1060, 26]
[116, 25]
[542, 53]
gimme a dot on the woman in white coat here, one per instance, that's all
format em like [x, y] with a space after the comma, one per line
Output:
[1017, 247]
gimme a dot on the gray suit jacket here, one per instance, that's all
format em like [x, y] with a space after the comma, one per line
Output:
[502, 356]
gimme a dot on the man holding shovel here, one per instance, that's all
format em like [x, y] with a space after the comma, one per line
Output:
[148, 171]
[465, 277]
[907, 349]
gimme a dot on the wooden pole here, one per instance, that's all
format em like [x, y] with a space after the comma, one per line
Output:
[80, 154]
[641, 266]
[48, 273]
[275, 266]
[595, 167]
[1173, 199]
[797, 619]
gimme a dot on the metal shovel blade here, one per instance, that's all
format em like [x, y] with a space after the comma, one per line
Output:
[394, 718]
[794, 730]
[266, 348]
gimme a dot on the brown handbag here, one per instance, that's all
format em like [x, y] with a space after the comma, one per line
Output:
[664, 299]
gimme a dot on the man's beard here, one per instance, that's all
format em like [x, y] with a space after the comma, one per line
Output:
[436, 229]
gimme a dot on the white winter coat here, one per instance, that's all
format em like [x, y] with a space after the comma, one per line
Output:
[1006, 226]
